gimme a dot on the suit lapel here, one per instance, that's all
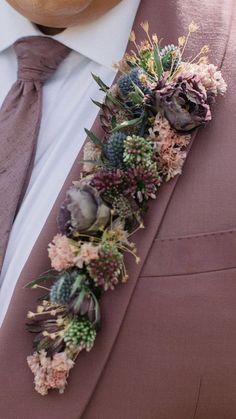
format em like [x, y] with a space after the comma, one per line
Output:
[169, 21]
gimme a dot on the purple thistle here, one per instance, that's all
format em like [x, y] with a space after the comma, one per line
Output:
[142, 183]
[110, 181]
[106, 270]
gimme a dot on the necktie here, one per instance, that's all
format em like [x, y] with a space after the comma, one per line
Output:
[38, 57]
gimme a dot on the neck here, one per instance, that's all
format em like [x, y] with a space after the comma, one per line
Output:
[50, 31]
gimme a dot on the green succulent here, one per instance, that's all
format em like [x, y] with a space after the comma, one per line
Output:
[137, 151]
[80, 334]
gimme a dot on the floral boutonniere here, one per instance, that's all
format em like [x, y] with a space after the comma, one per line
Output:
[147, 116]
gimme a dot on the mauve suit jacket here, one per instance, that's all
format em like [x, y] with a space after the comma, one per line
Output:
[167, 349]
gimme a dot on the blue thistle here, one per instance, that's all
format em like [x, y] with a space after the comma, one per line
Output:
[114, 149]
[166, 56]
[125, 83]
[61, 290]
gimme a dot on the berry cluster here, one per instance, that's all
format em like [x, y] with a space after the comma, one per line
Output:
[80, 334]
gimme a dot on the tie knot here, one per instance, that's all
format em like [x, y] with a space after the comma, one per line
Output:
[38, 57]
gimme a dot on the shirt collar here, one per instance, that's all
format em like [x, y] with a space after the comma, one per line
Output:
[103, 41]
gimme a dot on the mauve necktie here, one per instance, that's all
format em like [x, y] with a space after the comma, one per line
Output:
[38, 57]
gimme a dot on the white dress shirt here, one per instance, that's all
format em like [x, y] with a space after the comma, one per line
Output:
[67, 110]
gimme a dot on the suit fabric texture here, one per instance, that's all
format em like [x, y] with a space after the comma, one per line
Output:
[168, 340]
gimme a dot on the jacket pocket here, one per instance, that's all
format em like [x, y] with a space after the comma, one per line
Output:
[191, 254]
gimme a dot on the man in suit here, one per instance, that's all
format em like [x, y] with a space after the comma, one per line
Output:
[62, 128]
[168, 349]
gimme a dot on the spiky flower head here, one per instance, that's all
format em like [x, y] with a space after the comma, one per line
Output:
[107, 269]
[170, 57]
[61, 289]
[135, 76]
[108, 181]
[137, 151]
[142, 182]
[80, 334]
[114, 149]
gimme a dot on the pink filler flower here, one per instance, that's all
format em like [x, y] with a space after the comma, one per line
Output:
[50, 373]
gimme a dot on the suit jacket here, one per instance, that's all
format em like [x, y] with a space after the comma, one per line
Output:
[167, 350]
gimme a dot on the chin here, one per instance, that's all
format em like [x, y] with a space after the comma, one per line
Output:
[51, 13]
